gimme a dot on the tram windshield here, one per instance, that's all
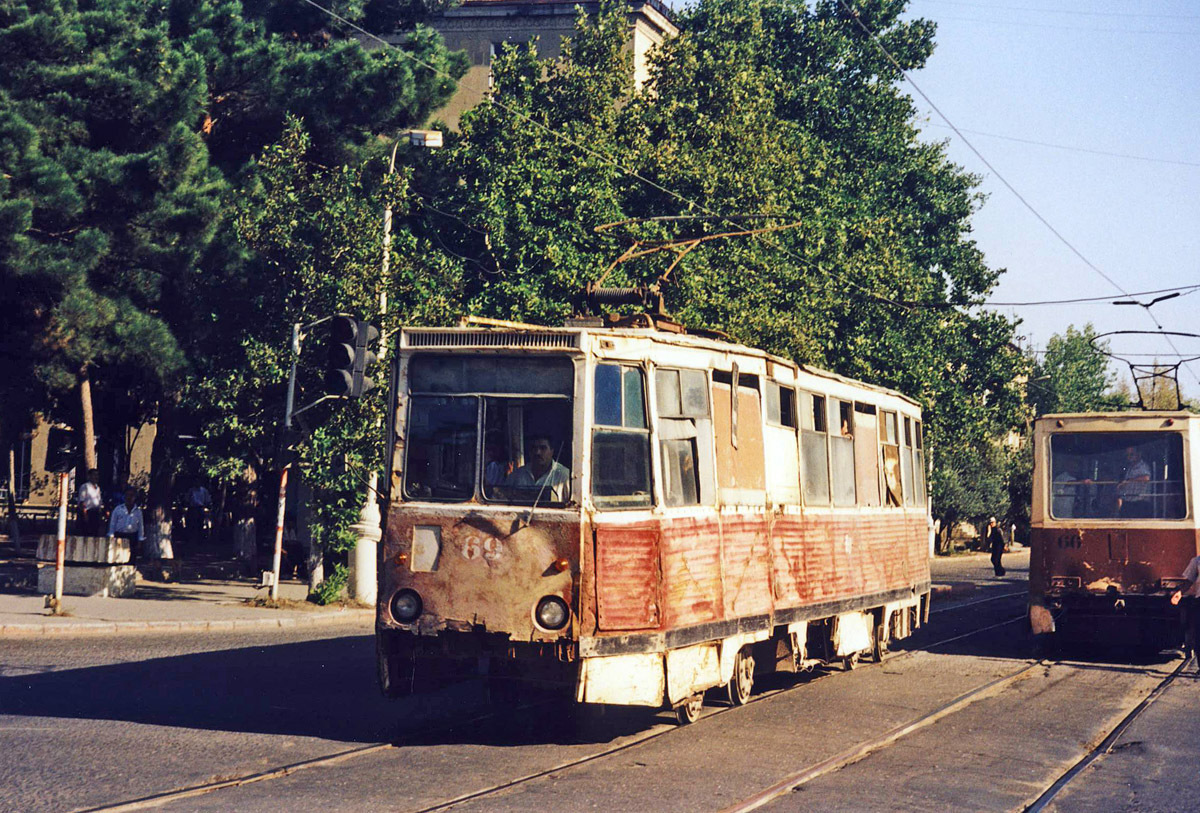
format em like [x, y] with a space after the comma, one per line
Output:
[495, 428]
[1123, 475]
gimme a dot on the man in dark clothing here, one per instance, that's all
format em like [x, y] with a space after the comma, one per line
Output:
[995, 541]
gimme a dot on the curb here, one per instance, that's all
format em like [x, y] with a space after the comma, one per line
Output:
[66, 629]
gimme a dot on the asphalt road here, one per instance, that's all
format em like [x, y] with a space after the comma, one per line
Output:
[96, 722]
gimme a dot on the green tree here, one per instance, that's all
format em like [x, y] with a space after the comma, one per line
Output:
[126, 130]
[1073, 374]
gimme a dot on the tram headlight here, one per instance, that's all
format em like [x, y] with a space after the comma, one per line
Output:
[406, 606]
[552, 613]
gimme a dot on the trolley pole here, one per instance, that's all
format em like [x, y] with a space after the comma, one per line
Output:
[60, 548]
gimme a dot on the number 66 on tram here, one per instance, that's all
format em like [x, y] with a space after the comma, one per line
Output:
[640, 515]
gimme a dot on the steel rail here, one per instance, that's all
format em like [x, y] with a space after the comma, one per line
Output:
[1107, 743]
[962, 604]
[857, 752]
[158, 799]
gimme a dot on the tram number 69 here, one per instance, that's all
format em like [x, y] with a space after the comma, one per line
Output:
[1070, 541]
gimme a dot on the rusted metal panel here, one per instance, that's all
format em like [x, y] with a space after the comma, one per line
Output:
[746, 557]
[1130, 560]
[627, 576]
[824, 556]
[491, 569]
[691, 564]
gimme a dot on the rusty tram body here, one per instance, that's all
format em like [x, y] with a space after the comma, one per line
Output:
[711, 511]
[1113, 526]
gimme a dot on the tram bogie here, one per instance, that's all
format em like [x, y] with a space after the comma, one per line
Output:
[1113, 526]
[638, 517]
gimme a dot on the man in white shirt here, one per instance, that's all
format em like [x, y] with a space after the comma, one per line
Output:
[1133, 492]
[126, 522]
[1190, 598]
[542, 474]
[89, 501]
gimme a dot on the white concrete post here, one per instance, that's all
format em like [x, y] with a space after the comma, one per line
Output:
[364, 557]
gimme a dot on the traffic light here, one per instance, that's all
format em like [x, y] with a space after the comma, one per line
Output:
[349, 357]
[61, 451]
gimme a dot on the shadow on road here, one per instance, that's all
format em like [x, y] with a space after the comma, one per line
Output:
[323, 688]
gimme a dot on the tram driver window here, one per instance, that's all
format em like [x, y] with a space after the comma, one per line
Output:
[620, 439]
[521, 405]
[1117, 475]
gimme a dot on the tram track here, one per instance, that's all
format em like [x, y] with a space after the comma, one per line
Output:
[1106, 745]
[822, 673]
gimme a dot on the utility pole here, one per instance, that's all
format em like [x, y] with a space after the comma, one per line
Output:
[277, 557]
[364, 559]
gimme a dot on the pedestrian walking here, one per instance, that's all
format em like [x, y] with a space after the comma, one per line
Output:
[995, 541]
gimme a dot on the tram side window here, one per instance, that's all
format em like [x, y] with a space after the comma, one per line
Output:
[620, 439]
[866, 453]
[1122, 475]
[781, 405]
[683, 411]
[889, 440]
[841, 452]
[919, 464]
[814, 450]
[906, 462]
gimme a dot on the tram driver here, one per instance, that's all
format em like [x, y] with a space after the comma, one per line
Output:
[542, 471]
[1133, 492]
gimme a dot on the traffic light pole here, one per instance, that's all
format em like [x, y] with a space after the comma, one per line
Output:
[60, 547]
[277, 556]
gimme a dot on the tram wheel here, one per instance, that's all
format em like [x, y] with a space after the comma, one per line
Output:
[742, 682]
[879, 645]
[394, 671]
[689, 710]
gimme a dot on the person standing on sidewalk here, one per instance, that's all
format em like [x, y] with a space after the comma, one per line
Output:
[89, 501]
[126, 523]
[995, 541]
[1189, 600]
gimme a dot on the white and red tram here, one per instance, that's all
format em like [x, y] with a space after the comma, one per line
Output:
[640, 514]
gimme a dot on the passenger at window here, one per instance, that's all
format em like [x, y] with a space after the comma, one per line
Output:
[498, 467]
[1133, 492]
[542, 471]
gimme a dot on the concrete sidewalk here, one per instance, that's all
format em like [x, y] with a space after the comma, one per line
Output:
[161, 607]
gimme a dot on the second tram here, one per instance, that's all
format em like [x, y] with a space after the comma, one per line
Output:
[1114, 525]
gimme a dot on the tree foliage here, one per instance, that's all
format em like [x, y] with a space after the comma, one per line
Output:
[1073, 374]
[127, 133]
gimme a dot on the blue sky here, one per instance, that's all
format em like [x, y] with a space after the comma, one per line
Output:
[1096, 77]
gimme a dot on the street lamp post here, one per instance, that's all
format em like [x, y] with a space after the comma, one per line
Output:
[364, 559]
